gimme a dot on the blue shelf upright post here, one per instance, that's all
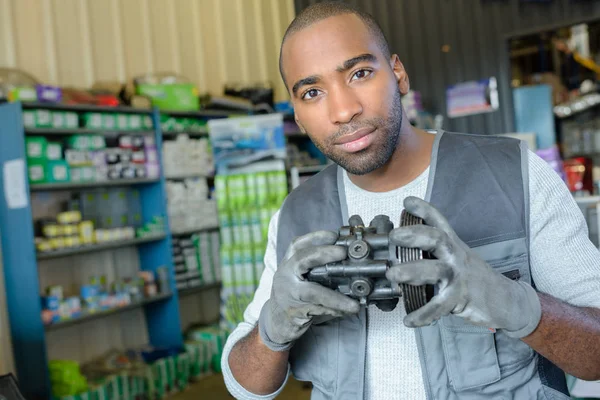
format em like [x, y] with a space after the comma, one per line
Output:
[163, 318]
[19, 258]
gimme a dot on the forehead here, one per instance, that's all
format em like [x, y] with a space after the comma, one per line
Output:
[326, 44]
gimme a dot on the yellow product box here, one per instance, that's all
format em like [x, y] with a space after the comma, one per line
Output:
[70, 230]
[69, 217]
[52, 230]
[42, 244]
[86, 232]
[72, 241]
[57, 243]
[102, 235]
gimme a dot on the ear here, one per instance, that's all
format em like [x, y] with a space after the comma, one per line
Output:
[299, 124]
[400, 73]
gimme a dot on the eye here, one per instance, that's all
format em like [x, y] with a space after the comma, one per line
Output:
[361, 74]
[310, 94]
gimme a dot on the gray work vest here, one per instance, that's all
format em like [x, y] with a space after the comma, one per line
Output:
[480, 184]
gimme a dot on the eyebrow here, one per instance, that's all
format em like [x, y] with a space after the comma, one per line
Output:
[348, 64]
[309, 80]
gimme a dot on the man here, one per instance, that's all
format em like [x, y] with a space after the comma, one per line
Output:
[518, 281]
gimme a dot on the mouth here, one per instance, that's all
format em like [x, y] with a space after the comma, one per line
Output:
[356, 141]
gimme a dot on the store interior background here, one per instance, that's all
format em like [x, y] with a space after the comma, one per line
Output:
[87, 44]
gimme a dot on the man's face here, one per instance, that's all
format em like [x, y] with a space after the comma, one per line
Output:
[345, 93]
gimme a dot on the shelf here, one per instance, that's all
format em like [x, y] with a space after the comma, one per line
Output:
[180, 177]
[85, 185]
[84, 108]
[98, 247]
[84, 131]
[191, 231]
[203, 113]
[199, 289]
[190, 134]
[102, 314]
[577, 106]
[22, 264]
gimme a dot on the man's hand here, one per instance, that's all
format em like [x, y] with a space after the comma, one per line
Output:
[294, 302]
[468, 286]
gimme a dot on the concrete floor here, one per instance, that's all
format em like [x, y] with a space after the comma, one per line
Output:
[213, 388]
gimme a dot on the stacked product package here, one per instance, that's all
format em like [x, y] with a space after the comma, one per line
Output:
[189, 205]
[98, 295]
[181, 124]
[91, 158]
[55, 119]
[184, 157]
[196, 260]
[144, 373]
[246, 204]
[96, 216]
[208, 340]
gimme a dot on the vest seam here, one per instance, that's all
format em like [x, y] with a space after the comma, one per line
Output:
[497, 236]
[336, 361]
[425, 363]
[509, 261]
[433, 163]
[277, 250]
[554, 394]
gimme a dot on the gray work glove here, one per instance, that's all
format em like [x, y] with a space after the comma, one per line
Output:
[468, 286]
[295, 302]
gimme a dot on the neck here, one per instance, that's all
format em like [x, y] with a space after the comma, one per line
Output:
[411, 157]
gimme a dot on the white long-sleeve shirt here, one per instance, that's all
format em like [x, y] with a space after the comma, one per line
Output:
[564, 264]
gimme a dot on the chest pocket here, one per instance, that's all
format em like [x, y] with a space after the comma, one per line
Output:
[314, 356]
[512, 353]
[469, 353]
[476, 356]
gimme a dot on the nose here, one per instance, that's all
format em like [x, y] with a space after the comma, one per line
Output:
[344, 105]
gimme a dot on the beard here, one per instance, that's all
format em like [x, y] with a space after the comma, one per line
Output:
[378, 153]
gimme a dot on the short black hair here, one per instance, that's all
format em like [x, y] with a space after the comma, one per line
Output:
[326, 9]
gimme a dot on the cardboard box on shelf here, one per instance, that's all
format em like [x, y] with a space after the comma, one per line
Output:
[109, 121]
[71, 120]
[29, 119]
[97, 142]
[226, 256]
[92, 120]
[58, 171]
[122, 121]
[147, 122]
[226, 228]
[79, 158]
[79, 142]
[43, 119]
[36, 147]
[135, 122]
[215, 242]
[54, 151]
[58, 119]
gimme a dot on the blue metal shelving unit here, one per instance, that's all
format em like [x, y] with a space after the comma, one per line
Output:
[20, 261]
